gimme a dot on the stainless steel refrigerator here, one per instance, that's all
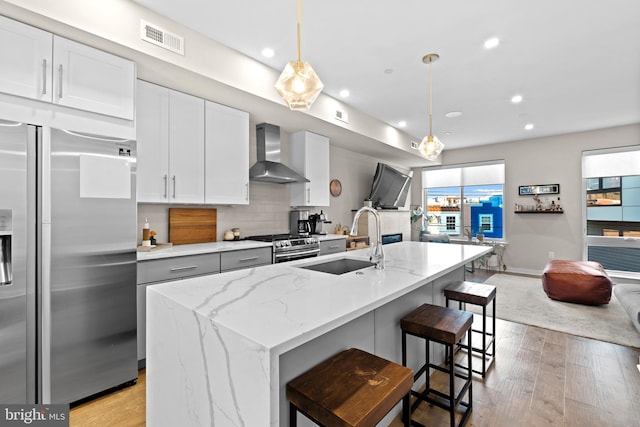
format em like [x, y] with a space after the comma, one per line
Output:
[67, 264]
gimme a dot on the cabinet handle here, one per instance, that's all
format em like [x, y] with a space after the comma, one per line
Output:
[174, 186]
[308, 195]
[253, 258]
[60, 81]
[186, 267]
[166, 184]
[247, 191]
[334, 247]
[44, 76]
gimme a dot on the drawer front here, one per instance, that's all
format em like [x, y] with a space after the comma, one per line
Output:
[161, 270]
[245, 258]
[332, 246]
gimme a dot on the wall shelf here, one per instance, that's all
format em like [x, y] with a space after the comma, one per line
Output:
[539, 212]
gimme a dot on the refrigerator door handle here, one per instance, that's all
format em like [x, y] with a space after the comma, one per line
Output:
[45, 316]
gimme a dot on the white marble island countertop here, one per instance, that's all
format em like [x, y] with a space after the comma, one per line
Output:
[223, 334]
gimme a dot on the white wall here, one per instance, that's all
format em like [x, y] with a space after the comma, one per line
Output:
[549, 160]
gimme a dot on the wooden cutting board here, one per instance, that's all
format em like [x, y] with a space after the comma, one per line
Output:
[192, 225]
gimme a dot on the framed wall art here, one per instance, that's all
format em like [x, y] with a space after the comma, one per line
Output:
[530, 190]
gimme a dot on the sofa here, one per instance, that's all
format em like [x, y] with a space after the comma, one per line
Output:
[628, 296]
[582, 282]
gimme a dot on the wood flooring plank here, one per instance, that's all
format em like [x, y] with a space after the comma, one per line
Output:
[580, 384]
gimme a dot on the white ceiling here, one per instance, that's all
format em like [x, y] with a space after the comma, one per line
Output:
[576, 63]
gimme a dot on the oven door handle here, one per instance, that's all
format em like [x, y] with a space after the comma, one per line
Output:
[296, 254]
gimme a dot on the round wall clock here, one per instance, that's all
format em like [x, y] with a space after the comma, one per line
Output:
[335, 187]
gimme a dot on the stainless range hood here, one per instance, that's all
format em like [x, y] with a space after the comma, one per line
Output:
[268, 167]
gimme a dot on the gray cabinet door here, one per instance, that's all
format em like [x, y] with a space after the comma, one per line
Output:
[332, 246]
[245, 258]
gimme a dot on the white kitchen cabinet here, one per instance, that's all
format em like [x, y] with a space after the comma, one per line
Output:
[90, 79]
[226, 155]
[25, 69]
[310, 158]
[42, 66]
[170, 135]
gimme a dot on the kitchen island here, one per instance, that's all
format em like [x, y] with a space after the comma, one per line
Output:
[221, 348]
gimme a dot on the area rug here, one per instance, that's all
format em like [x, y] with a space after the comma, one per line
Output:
[522, 300]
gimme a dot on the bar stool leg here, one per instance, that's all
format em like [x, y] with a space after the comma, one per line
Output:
[293, 415]
[406, 410]
[452, 393]
[493, 321]
[484, 340]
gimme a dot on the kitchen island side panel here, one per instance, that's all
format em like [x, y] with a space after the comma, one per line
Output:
[200, 374]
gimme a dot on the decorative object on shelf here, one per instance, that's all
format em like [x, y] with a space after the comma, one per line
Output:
[418, 215]
[431, 147]
[541, 206]
[152, 238]
[335, 187]
[531, 190]
[298, 84]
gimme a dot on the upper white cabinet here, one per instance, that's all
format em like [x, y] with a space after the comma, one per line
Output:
[170, 134]
[41, 66]
[227, 155]
[310, 158]
[25, 69]
[92, 80]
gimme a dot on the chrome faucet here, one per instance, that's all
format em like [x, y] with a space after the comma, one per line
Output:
[376, 254]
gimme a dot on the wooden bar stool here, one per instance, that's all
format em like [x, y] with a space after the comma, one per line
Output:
[446, 326]
[477, 294]
[352, 388]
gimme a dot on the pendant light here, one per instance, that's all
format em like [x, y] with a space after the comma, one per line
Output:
[430, 147]
[298, 84]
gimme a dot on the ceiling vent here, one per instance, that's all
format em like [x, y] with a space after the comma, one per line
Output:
[342, 115]
[153, 34]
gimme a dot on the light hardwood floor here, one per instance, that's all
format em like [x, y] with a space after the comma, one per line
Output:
[539, 378]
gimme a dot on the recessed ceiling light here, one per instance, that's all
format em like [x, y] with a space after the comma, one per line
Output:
[267, 52]
[452, 114]
[528, 126]
[402, 124]
[516, 99]
[344, 93]
[491, 43]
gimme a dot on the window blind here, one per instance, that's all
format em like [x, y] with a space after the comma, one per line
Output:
[611, 162]
[456, 176]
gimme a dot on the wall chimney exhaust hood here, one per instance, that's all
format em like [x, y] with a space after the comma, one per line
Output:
[268, 167]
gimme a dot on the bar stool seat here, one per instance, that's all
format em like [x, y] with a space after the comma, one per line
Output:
[446, 326]
[352, 388]
[477, 294]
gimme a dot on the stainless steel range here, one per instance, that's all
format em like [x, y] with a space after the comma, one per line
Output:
[289, 248]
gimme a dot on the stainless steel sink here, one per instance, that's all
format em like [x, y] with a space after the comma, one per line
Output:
[339, 266]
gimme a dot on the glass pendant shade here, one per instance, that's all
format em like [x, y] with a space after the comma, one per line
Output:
[431, 147]
[299, 85]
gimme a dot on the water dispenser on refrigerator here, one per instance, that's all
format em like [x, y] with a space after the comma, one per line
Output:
[5, 247]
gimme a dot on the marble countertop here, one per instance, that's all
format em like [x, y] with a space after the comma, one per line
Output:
[201, 248]
[289, 305]
[329, 236]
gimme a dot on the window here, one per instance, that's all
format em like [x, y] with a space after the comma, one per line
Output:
[464, 200]
[612, 208]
